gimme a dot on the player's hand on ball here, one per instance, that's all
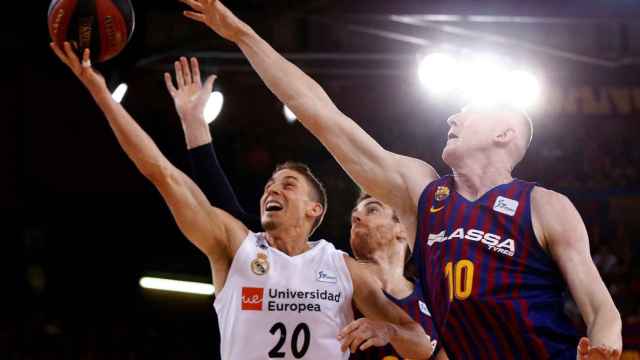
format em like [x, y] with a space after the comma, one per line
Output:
[190, 97]
[216, 16]
[600, 352]
[363, 333]
[89, 77]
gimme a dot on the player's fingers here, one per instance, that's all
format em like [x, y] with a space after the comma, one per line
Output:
[195, 70]
[583, 346]
[357, 341]
[186, 72]
[179, 79]
[195, 16]
[86, 58]
[367, 344]
[347, 341]
[208, 84]
[71, 56]
[352, 326]
[194, 4]
[169, 83]
[59, 53]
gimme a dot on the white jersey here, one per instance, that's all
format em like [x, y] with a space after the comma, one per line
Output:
[277, 306]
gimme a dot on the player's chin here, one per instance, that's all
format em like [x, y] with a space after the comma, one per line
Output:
[359, 240]
[450, 153]
[269, 223]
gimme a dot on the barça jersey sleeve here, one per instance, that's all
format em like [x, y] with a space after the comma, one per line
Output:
[213, 181]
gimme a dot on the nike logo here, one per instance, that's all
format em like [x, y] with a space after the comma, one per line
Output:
[436, 209]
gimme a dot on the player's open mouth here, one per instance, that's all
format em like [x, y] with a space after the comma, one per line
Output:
[451, 136]
[272, 205]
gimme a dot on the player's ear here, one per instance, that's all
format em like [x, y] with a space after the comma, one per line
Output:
[505, 136]
[314, 209]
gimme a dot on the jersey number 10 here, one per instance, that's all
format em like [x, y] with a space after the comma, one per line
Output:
[460, 279]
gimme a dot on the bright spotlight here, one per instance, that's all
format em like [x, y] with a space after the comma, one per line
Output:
[213, 107]
[439, 73]
[524, 89]
[177, 286]
[486, 82]
[288, 114]
[119, 93]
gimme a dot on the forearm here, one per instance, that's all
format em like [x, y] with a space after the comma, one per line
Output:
[292, 86]
[138, 146]
[410, 341]
[211, 178]
[606, 327]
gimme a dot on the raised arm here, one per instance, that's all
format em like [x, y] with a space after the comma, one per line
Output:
[190, 97]
[560, 229]
[384, 323]
[396, 180]
[214, 232]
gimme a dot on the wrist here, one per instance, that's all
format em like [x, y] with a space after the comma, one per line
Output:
[243, 33]
[99, 93]
[196, 133]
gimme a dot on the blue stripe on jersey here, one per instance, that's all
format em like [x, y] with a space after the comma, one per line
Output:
[512, 306]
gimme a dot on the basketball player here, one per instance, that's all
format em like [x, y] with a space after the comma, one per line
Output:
[494, 250]
[378, 239]
[279, 295]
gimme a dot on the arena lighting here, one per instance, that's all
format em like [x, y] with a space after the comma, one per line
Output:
[119, 93]
[213, 107]
[486, 82]
[188, 287]
[439, 73]
[524, 89]
[288, 114]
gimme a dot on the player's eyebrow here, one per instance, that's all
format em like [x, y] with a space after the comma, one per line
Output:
[370, 202]
[289, 177]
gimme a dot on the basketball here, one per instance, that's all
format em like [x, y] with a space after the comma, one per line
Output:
[103, 26]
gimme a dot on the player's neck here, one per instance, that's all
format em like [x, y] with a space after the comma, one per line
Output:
[290, 241]
[474, 178]
[388, 267]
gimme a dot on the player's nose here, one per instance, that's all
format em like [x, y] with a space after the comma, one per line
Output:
[453, 120]
[355, 218]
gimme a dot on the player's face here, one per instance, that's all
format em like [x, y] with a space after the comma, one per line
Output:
[470, 130]
[286, 200]
[372, 227]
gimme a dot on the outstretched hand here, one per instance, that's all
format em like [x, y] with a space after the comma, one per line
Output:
[190, 97]
[600, 352]
[216, 16]
[87, 75]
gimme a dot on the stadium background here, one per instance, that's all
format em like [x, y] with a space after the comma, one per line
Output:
[82, 225]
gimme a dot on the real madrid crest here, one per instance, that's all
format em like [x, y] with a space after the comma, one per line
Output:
[260, 265]
[442, 192]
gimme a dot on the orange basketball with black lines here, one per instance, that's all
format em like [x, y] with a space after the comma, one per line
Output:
[103, 26]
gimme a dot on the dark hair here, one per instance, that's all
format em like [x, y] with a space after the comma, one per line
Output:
[319, 192]
[364, 196]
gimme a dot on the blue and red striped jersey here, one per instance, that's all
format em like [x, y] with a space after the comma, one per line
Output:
[416, 306]
[494, 292]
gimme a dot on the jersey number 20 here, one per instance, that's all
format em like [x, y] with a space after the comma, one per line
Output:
[301, 329]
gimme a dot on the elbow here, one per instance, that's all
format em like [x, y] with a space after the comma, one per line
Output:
[158, 174]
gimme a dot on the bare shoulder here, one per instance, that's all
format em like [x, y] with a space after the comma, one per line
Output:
[228, 237]
[553, 214]
[549, 204]
[546, 196]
